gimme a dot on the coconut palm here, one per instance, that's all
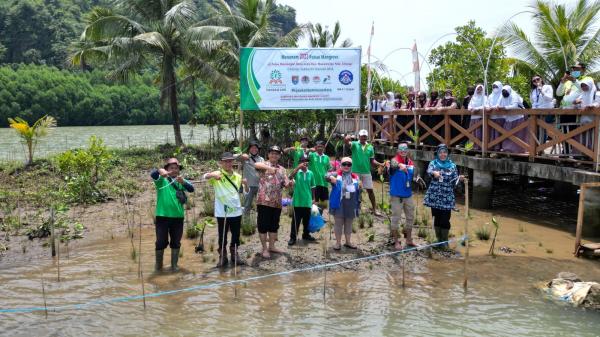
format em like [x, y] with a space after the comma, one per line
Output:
[320, 37]
[140, 34]
[30, 134]
[561, 32]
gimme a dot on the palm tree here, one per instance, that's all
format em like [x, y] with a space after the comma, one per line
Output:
[320, 37]
[30, 134]
[561, 32]
[257, 29]
[142, 34]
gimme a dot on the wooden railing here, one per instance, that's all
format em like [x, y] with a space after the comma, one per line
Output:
[541, 139]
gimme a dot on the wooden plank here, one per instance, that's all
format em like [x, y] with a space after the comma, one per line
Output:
[505, 134]
[465, 133]
[432, 131]
[447, 129]
[579, 219]
[559, 137]
[532, 137]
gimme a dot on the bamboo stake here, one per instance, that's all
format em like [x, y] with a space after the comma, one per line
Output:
[465, 281]
[53, 247]
[143, 289]
[324, 284]
[58, 260]
[403, 276]
[235, 271]
[140, 250]
[44, 296]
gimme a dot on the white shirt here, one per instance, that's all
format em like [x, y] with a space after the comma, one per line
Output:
[542, 98]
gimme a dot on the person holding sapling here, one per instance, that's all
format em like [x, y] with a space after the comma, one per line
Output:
[298, 152]
[249, 160]
[170, 198]
[272, 181]
[401, 169]
[228, 210]
[304, 189]
[440, 194]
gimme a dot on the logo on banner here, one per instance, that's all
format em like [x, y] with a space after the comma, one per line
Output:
[305, 79]
[295, 79]
[275, 77]
[316, 79]
[345, 77]
[327, 79]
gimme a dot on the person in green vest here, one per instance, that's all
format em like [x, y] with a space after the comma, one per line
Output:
[303, 181]
[228, 208]
[318, 163]
[298, 152]
[363, 156]
[170, 198]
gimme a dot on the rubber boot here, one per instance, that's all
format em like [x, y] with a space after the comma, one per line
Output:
[174, 259]
[235, 257]
[222, 262]
[159, 259]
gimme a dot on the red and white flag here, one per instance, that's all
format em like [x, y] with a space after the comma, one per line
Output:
[416, 67]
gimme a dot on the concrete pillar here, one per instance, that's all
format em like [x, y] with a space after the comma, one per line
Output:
[483, 184]
[564, 191]
[591, 213]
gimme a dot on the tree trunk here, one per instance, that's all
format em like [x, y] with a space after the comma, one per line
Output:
[30, 149]
[171, 87]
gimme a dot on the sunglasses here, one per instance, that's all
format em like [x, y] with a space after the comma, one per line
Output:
[347, 164]
[403, 148]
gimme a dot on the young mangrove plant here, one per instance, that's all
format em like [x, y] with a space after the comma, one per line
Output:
[30, 134]
[493, 245]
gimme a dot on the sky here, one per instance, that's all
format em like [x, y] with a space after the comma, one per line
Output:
[398, 24]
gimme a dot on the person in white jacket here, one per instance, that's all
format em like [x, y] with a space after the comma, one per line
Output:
[542, 95]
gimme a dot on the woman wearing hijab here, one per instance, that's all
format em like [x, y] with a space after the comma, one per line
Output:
[542, 97]
[422, 100]
[493, 104]
[448, 102]
[344, 202]
[440, 194]
[476, 105]
[587, 100]
[509, 101]
[466, 119]
[429, 119]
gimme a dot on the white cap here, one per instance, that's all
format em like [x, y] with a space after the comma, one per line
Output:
[363, 132]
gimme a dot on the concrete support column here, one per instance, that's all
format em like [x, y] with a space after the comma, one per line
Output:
[483, 184]
[591, 213]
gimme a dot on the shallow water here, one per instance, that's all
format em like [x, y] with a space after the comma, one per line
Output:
[501, 299]
[121, 136]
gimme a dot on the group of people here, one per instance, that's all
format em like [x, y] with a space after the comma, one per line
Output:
[575, 91]
[312, 179]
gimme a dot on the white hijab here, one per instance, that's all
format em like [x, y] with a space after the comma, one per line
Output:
[478, 100]
[494, 97]
[588, 97]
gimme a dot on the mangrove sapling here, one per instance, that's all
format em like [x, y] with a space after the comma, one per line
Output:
[482, 233]
[44, 295]
[493, 245]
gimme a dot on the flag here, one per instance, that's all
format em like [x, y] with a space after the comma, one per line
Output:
[416, 67]
[369, 67]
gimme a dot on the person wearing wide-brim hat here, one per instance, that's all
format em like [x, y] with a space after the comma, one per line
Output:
[170, 198]
[228, 209]
[250, 175]
[272, 180]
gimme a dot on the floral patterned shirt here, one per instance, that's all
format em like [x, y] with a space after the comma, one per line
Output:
[270, 186]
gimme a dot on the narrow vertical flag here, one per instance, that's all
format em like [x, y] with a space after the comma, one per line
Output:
[369, 67]
[416, 67]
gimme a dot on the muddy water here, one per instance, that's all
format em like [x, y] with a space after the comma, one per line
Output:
[501, 300]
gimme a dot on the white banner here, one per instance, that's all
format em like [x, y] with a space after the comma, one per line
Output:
[320, 78]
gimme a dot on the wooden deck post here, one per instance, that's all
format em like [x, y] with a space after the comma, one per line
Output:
[532, 137]
[447, 134]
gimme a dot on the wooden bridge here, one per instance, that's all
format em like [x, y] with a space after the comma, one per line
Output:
[547, 150]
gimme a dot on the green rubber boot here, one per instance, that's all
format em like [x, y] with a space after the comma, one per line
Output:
[174, 259]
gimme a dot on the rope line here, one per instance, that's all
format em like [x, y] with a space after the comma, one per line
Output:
[216, 284]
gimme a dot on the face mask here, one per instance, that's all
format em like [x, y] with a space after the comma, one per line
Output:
[495, 90]
[505, 94]
[448, 96]
[576, 73]
[470, 92]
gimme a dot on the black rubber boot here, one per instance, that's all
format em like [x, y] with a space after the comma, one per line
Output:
[174, 259]
[159, 259]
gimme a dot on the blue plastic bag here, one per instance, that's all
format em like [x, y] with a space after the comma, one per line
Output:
[315, 223]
